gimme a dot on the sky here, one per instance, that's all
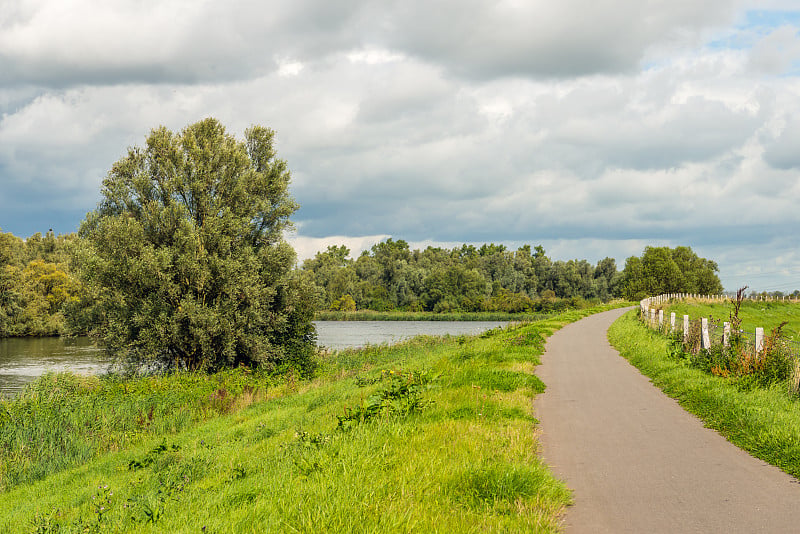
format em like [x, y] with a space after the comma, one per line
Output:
[592, 128]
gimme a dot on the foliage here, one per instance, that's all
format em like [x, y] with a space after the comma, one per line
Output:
[391, 276]
[662, 270]
[402, 396]
[37, 287]
[187, 257]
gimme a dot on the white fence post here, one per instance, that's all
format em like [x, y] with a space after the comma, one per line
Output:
[660, 318]
[685, 328]
[705, 339]
[726, 334]
[672, 322]
[759, 340]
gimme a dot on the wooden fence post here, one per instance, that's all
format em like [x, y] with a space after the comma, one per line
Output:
[660, 319]
[672, 322]
[759, 340]
[726, 334]
[705, 339]
[685, 328]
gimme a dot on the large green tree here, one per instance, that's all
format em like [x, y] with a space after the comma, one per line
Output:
[187, 255]
[663, 270]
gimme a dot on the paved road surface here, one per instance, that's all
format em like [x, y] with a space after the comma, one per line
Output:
[636, 461]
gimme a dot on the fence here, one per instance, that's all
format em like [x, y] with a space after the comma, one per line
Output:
[710, 333]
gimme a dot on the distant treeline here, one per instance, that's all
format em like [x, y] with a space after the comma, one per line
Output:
[41, 292]
[489, 278]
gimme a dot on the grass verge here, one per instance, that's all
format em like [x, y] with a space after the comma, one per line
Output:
[431, 435]
[764, 422]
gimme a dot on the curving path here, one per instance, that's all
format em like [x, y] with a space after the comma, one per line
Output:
[639, 463]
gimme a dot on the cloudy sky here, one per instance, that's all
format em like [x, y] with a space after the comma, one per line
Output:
[594, 128]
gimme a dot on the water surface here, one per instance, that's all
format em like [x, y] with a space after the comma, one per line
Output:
[24, 359]
[347, 334]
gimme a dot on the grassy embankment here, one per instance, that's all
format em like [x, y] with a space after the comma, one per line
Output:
[432, 435]
[762, 421]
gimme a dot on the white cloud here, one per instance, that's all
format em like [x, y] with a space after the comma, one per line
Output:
[777, 52]
[307, 247]
[582, 126]
[288, 69]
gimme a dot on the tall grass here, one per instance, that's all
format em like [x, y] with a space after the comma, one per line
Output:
[438, 436]
[63, 419]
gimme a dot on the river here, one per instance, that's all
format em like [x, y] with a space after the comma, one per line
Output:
[23, 359]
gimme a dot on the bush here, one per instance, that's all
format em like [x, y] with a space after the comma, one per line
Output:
[187, 258]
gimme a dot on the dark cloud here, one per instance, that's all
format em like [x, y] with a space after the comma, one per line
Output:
[61, 44]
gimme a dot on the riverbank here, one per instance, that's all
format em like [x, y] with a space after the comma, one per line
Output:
[431, 434]
[549, 309]
[370, 315]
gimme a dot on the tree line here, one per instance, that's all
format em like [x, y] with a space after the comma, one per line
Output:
[40, 295]
[391, 276]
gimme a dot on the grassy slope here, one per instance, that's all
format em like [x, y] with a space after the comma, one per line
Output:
[765, 423]
[466, 462]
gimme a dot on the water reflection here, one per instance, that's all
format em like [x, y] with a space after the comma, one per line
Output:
[23, 359]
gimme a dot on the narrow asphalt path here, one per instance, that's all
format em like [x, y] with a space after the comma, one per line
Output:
[639, 463]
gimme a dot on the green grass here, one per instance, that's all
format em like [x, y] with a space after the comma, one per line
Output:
[767, 315]
[62, 420]
[438, 436]
[764, 422]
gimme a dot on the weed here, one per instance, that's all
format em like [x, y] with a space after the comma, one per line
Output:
[528, 339]
[45, 523]
[401, 397]
[424, 463]
[238, 473]
[101, 502]
[309, 454]
[221, 401]
[151, 456]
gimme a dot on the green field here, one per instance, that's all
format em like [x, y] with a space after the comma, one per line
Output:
[432, 435]
[767, 315]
